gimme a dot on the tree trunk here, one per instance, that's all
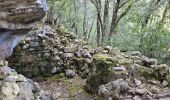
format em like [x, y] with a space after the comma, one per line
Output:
[105, 20]
[85, 20]
[114, 18]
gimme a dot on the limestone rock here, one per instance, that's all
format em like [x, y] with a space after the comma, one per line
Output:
[136, 53]
[21, 14]
[70, 73]
[9, 91]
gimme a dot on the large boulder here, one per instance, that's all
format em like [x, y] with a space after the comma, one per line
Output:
[21, 14]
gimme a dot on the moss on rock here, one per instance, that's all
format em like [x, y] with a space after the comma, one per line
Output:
[168, 79]
[148, 73]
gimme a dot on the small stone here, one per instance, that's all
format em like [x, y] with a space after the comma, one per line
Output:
[140, 91]
[104, 92]
[105, 51]
[87, 54]
[4, 71]
[153, 61]
[165, 83]
[154, 90]
[55, 96]
[68, 55]
[3, 63]
[137, 98]
[109, 48]
[137, 82]
[54, 70]
[36, 87]
[11, 78]
[78, 54]
[21, 78]
[121, 85]
[119, 68]
[136, 53]
[70, 73]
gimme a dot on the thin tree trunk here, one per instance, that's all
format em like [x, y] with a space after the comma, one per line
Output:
[98, 32]
[91, 28]
[85, 20]
[105, 20]
[114, 18]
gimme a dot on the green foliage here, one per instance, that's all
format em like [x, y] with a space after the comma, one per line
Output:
[152, 40]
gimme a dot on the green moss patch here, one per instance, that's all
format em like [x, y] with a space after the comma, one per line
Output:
[148, 73]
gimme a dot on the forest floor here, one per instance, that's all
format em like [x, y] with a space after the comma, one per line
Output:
[63, 88]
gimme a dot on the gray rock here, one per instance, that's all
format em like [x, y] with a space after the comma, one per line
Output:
[26, 90]
[104, 92]
[141, 91]
[70, 73]
[154, 90]
[68, 55]
[137, 82]
[36, 87]
[11, 78]
[9, 91]
[54, 70]
[3, 63]
[153, 61]
[13, 17]
[78, 54]
[137, 98]
[4, 71]
[119, 68]
[109, 48]
[121, 85]
[87, 54]
[136, 53]
[21, 78]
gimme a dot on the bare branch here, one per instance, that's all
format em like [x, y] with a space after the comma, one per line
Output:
[124, 13]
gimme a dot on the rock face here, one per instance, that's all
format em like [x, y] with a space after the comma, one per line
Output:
[21, 14]
[17, 17]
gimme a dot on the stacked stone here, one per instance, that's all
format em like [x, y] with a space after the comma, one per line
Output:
[46, 52]
[109, 73]
[15, 86]
[134, 76]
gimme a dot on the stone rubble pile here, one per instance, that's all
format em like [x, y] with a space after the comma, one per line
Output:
[15, 86]
[46, 52]
[130, 77]
[109, 73]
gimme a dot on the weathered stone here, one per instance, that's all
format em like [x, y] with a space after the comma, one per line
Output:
[21, 78]
[68, 55]
[140, 91]
[14, 16]
[137, 98]
[26, 90]
[154, 90]
[119, 68]
[153, 61]
[120, 85]
[54, 70]
[137, 82]
[136, 53]
[104, 92]
[9, 91]
[10, 78]
[70, 73]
